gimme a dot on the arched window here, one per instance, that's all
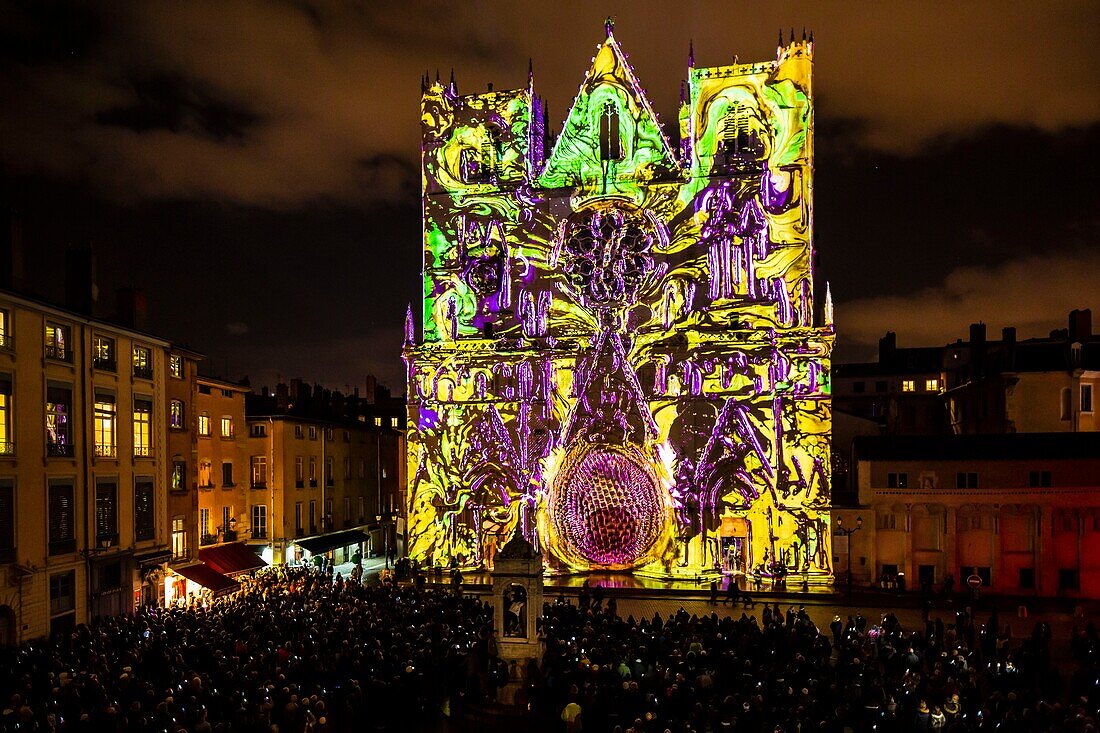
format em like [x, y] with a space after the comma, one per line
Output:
[611, 144]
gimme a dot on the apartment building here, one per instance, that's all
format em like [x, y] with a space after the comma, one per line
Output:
[83, 467]
[1020, 512]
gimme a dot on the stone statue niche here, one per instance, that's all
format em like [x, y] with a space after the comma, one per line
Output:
[517, 603]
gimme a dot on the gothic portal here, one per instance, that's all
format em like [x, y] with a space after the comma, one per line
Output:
[619, 352]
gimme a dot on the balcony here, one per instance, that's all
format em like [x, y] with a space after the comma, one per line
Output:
[7, 448]
[143, 451]
[259, 484]
[313, 483]
[143, 372]
[59, 450]
[206, 487]
[299, 484]
[208, 539]
[229, 535]
[59, 352]
[6, 342]
[105, 365]
[106, 451]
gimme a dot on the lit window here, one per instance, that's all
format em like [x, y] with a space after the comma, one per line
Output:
[378, 422]
[179, 475]
[393, 422]
[5, 335]
[175, 414]
[143, 427]
[908, 385]
[179, 539]
[143, 363]
[227, 427]
[57, 342]
[7, 447]
[932, 385]
[204, 525]
[103, 353]
[104, 420]
[175, 366]
[58, 408]
[206, 478]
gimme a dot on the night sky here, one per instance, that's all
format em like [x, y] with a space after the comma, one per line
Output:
[252, 165]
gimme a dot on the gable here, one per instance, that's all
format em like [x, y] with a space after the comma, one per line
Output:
[611, 138]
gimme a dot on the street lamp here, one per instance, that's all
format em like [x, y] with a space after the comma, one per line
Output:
[848, 532]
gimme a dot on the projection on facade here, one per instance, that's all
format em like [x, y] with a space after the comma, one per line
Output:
[619, 353]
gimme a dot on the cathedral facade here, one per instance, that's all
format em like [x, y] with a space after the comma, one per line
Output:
[618, 353]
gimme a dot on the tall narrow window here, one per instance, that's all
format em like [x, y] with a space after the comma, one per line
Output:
[143, 426]
[611, 145]
[103, 353]
[299, 472]
[330, 478]
[5, 330]
[104, 422]
[179, 475]
[62, 525]
[206, 474]
[362, 509]
[106, 513]
[175, 366]
[143, 362]
[312, 515]
[205, 535]
[259, 472]
[57, 342]
[298, 529]
[227, 427]
[228, 524]
[313, 470]
[1066, 405]
[259, 521]
[179, 538]
[59, 402]
[7, 445]
[204, 425]
[347, 511]
[175, 414]
[7, 520]
[1086, 398]
[145, 527]
[227, 473]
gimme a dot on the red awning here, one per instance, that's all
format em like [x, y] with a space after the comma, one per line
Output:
[231, 559]
[209, 578]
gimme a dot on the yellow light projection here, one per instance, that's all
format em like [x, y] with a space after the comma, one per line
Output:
[619, 354]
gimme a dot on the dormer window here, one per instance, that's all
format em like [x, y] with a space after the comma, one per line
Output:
[611, 144]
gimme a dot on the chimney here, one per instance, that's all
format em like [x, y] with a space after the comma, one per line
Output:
[887, 348]
[977, 334]
[372, 389]
[131, 308]
[80, 288]
[1080, 325]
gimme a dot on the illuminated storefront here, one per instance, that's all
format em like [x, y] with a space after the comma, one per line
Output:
[619, 350]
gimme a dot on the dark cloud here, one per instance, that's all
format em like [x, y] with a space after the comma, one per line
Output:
[255, 162]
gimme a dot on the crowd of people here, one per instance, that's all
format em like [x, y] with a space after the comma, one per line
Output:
[301, 649]
[780, 672]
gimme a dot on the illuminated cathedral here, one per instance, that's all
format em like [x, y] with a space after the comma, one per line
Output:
[619, 355]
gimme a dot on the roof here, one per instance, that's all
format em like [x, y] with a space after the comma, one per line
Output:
[1004, 447]
[517, 548]
[231, 558]
[222, 383]
[208, 578]
[73, 315]
[326, 542]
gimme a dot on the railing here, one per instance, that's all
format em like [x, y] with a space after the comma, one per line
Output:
[58, 353]
[7, 343]
[7, 448]
[259, 484]
[143, 372]
[208, 539]
[59, 450]
[106, 365]
[313, 483]
[206, 486]
[299, 484]
[143, 451]
[105, 451]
